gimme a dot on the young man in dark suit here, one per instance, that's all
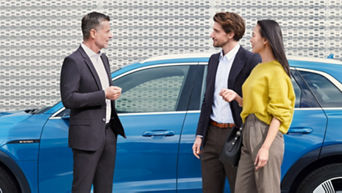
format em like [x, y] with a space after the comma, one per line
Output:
[227, 69]
[86, 89]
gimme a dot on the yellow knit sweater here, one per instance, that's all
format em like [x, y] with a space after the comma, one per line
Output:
[268, 93]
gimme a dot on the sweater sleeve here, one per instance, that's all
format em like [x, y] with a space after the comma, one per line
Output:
[281, 98]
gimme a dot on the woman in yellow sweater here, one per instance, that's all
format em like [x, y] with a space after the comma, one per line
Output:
[267, 111]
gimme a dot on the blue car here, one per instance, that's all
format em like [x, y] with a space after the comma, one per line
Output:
[159, 109]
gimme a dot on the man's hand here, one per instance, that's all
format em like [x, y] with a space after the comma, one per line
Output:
[196, 148]
[113, 92]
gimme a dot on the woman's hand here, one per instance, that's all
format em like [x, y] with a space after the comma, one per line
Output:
[228, 95]
[263, 153]
[261, 158]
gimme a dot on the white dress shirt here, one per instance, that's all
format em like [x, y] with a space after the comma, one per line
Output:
[221, 110]
[101, 72]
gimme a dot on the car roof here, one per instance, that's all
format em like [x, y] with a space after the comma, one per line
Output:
[208, 54]
[330, 66]
[179, 56]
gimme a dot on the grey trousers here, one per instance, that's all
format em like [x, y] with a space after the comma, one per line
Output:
[214, 172]
[266, 179]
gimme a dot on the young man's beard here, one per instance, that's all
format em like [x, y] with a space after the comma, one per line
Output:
[219, 44]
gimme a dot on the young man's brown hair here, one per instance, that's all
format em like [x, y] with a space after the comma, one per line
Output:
[231, 22]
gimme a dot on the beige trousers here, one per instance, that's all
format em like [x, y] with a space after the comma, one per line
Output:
[266, 179]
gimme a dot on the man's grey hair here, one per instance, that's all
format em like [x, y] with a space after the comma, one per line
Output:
[92, 21]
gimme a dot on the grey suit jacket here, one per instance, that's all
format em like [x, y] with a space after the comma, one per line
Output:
[82, 93]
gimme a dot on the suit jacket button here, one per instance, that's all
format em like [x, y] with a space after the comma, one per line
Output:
[103, 119]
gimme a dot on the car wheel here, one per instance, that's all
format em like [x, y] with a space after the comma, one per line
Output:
[323, 180]
[7, 182]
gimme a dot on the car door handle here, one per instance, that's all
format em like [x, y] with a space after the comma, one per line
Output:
[301, 130]
[165, 133]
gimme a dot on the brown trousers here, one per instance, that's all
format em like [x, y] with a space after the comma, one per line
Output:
[214, 172]
[266, 179]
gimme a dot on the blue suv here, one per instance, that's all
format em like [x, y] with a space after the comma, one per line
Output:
[159, 109]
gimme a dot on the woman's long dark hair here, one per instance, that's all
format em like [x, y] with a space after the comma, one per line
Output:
[270, 30]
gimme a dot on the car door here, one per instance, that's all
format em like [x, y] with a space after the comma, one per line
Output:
[189, 168]
[152, 109]
[326, 177]
[55, 157]
[327, 91]
[307, 130]
[306, 133]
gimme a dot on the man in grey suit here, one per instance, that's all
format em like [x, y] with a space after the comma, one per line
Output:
[86, 89]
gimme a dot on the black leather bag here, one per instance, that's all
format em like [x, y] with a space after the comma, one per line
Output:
[232, 147]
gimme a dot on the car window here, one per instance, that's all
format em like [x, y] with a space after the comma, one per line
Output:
[194, 86]
[304, 97]
[204, 84]
[327, 94]
[155, 89]
[297, 91]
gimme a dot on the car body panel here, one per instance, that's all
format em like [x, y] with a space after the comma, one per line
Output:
[55, 157]
[334, 130]
[303, 138]
[334, 69]
[150, 148]
[157, 155]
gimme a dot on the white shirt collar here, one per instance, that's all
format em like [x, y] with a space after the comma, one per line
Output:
[90, 52]
[231, 53]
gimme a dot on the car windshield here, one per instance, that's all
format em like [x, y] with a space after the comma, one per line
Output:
[37, 110]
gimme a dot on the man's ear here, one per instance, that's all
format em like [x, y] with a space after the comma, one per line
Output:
[92, 33]
[231, 35]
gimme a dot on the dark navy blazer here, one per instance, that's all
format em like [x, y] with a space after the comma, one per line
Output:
[242, 66]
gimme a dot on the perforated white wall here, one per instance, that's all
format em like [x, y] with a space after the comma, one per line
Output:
[36, 35]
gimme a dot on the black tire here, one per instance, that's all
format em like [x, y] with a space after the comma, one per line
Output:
[326, 178]
[7, 182]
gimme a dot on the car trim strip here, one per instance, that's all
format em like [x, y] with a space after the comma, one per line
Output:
[326, 75]
[24, 141]
[155, 66]
[54, 116]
